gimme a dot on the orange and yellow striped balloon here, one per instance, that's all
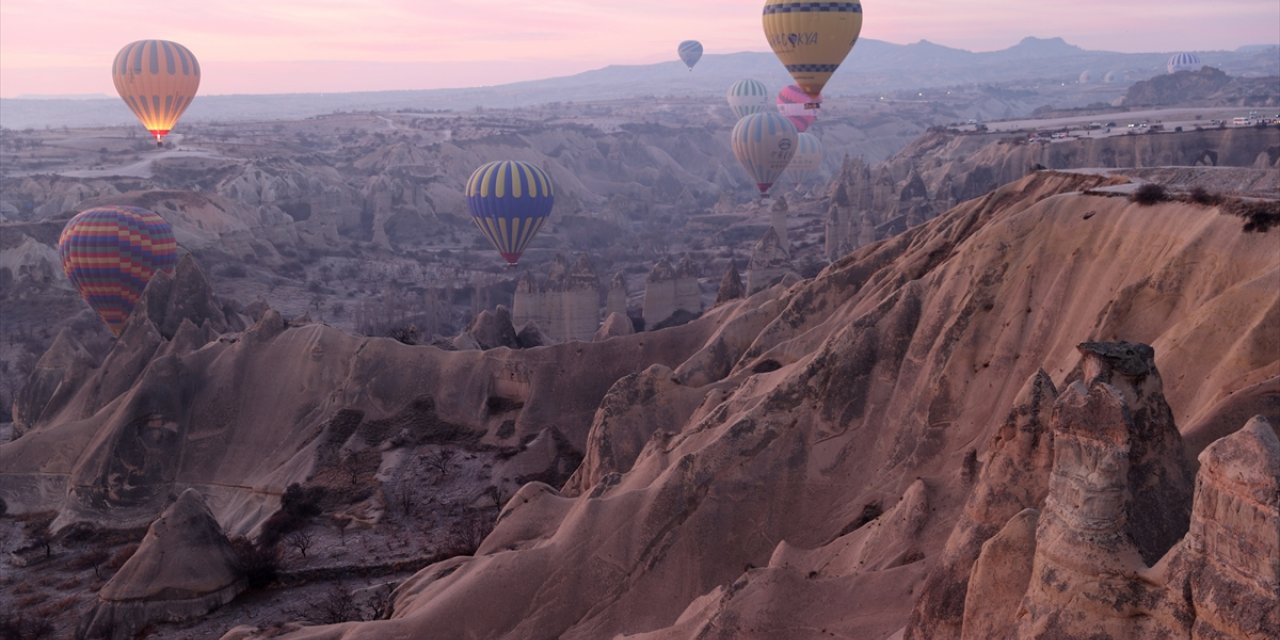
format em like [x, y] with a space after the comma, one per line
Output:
[812, 38]
[157, 79]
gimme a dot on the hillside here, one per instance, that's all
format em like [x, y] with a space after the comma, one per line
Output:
[826, 435]
[873, 68]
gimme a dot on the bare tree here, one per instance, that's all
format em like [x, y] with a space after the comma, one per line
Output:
[336, 606]
[301, 541]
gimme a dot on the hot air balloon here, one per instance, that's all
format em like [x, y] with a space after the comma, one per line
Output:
[690, 52]
[747, 97]
[812, 38]
[509, 202]
[799, 107]
[110, 253]
[157, 79]
[807, 160]
[1184, 62]
[764, 143]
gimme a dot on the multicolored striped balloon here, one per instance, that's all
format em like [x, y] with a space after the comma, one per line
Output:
[808, 158]
[799, 107]
[157, 79]
[690, 52]
[764, 143]
[509, 202]
[812, 38]
[110, 254]
[747, 97]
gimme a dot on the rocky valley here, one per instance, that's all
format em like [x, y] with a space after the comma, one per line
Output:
[960, 382]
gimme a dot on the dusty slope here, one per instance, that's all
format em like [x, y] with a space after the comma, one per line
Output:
[241, 415]
[877, 385]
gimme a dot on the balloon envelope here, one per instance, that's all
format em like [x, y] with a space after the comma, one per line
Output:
[812, 38]
[764, 143]
[110, 253]
[690, 52]
[509, 202]
[157, 79]
[747, 97]
[799, 107]
[808, 158]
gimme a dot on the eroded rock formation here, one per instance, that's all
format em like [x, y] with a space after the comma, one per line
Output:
[769, 262]
[566, 306]
[183, 569]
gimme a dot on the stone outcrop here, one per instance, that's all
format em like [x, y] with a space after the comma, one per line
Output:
[1015, 477]
[769, 262]
[1106, 555]
[57, 374]
[184, 568]
[1084, 578]
[778, 220]
[731, 286]
[1228, 566]
[999, 579]
[615, 325]
[616, 299]
[939, 170]
[492, 328]
[186, 295]
[671, 289]
[566, 306]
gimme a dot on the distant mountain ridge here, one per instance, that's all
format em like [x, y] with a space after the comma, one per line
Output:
[873, 67]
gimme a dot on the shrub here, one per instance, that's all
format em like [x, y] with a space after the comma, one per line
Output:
[1259, 215]
[1149, 194]
[121, 556]
[1200, 195]
[260, 564]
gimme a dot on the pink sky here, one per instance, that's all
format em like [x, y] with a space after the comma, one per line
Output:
[280, 46]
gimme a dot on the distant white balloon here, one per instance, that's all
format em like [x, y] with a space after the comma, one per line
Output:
[1184, 62]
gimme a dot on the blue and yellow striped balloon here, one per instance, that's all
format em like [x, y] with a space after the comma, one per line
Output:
[157, 79]
[509, 202]
[747, 97]
[690, 51]
[764, 143]
[110, 254]
[812, 38]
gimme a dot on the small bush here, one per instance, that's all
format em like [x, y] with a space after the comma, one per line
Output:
[88, 560]
[121, 556]
[260, 564]
[1259, 215]
[1149, 194]
[1200, 195]
[18, 626]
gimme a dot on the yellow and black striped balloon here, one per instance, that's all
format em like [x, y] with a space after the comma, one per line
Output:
[157, 79]
[812, 38]
[509, 201]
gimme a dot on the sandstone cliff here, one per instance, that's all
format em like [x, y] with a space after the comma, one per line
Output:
[832, 457]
